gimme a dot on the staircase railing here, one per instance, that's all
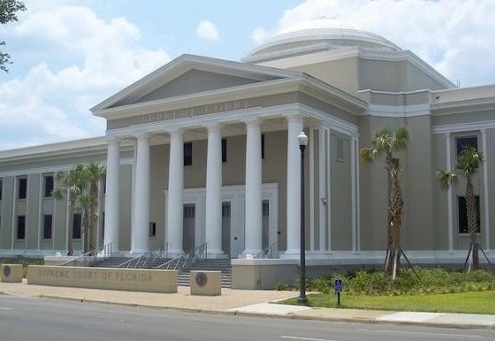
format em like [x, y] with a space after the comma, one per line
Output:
[200, 252]
[129, 263]
[106, 251]
[270, 251]
[90, 257]
[178, 263]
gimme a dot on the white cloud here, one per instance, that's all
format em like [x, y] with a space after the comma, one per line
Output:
[453, 36]
[54, 101]
[207, 30]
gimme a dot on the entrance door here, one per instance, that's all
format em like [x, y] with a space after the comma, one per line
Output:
[226, 221]
[265, 225]
[188, 232]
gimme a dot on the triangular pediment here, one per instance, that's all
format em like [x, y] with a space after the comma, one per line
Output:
[188, 75]
[195, 81]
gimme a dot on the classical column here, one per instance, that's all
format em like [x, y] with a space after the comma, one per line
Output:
[253, 225]
[450, 219]
[213, 217]
[356, 238]
[175, 194]
[484, 149]
[295, 126]
[141, 202]
[112, 203]
[322, 185]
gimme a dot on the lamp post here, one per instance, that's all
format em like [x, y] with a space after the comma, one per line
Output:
[303, 141]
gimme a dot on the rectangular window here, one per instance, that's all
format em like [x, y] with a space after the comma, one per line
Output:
[224, 150]
[48, 185]
[102, 225]
[21, 227]
[47, 226]
[76, 227]
[152, 229]
[262, 146]
[339, 149]
[22, 188]
[463, 221]
[188, 154]
[464, 142]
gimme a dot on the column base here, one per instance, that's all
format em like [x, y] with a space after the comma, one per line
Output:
[250, 254]
[290, 254]
[175, 253]
[217, 254]
[138, 252]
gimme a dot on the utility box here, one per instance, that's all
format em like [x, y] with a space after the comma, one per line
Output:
[206, 283]
[11, 273]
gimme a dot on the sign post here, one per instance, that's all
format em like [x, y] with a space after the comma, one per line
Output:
[338, 287]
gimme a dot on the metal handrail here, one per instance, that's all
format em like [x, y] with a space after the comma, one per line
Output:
[270, 251]
[169, 263]
[127, 262]
[199, 252]
[90, 256]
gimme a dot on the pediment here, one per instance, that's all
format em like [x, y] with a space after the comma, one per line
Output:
[194, 81]
[188, 75]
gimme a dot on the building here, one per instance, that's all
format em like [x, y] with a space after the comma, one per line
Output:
[205, 150]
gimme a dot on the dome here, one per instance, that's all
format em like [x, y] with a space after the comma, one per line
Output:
[317, 35]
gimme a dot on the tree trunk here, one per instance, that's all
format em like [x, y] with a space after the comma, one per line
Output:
[93, 207]
[70, 233]
[85, 229]
[471, 212]
[395, 220]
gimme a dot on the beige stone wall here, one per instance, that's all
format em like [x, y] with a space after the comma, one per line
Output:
[262, 274]
[11, 273]
[206, 283]
[164, 281]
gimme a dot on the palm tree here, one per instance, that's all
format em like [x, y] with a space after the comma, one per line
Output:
[468, 163]
[94, 173]
[70, 184]
[83, 205]
[386, 142]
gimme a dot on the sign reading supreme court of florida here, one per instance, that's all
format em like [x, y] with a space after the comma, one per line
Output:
[146, 280]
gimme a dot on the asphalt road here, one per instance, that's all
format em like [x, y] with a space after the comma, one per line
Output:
[34, 319]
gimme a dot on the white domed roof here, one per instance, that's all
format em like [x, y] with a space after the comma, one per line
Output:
[333, 34]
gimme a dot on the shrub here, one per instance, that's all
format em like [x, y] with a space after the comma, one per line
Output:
[411, 281]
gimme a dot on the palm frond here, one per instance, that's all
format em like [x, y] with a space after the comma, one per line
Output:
[368, 154]
[446, 178]
[401, 138]
[470, 161]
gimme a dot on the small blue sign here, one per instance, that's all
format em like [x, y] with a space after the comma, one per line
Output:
[339, 285]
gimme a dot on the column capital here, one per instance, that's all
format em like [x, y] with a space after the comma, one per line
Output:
[113, 139]
[212, 126]
[293, 117]
[142, 135]
[175, 131]
[252, 120]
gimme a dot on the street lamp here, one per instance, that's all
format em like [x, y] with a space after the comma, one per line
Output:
[303, 141]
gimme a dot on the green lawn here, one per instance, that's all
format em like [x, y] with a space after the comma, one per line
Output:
[480, 302]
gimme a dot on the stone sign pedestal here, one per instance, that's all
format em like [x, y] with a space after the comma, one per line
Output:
[12, 273]
[206, 283]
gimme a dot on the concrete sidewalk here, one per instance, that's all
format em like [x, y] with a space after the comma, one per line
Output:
[246, 302]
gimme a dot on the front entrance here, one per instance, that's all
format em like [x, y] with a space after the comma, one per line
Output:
[188, 232]
[226, 223]
[233, 218]
[265, 225]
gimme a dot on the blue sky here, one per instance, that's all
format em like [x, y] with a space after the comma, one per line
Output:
[69, 55]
